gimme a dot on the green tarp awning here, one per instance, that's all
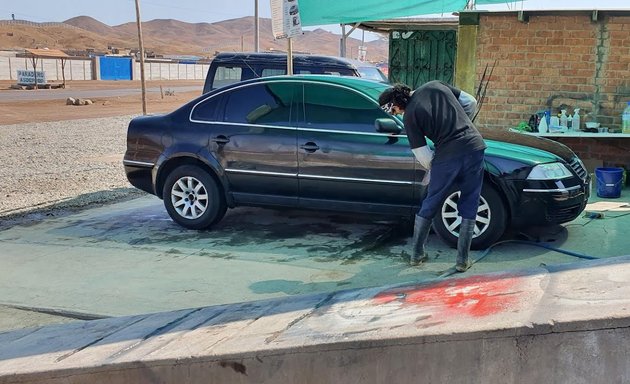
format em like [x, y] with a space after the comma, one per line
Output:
[322, 12]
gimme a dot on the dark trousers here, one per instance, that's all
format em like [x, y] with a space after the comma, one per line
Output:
[465, 173]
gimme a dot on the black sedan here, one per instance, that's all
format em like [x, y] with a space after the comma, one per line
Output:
[322, 142]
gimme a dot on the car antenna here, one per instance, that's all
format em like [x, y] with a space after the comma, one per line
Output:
[249, 66]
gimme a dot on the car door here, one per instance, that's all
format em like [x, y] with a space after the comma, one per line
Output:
[252, 134]
[343, 162]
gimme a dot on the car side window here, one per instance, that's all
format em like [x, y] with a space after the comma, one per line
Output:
[226, 76]
[210, 109]
[261, 104]
[335, 108]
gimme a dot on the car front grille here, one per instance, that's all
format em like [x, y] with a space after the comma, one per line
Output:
[563, 215]
[577, 167]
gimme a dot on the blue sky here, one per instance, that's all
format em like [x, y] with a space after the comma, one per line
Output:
[115, 12]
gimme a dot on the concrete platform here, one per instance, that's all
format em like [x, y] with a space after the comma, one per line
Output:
[560, 324]
[129, 258]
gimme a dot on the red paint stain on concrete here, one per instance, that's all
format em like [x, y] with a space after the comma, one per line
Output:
[476, 296]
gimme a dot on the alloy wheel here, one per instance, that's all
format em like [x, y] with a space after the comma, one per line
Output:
[189, 197]
[452, 220]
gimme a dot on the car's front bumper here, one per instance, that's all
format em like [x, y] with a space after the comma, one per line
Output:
[550, 204]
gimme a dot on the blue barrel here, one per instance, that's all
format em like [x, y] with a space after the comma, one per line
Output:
[609, 182]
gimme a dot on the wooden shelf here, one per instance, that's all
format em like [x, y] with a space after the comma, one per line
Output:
[579, 134]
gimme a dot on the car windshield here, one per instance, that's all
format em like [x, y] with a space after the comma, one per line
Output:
[372, 73]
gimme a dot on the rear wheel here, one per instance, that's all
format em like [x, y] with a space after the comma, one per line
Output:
[490, 221]
[192, 197]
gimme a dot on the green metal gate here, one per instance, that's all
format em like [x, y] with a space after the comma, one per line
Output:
[416, 57]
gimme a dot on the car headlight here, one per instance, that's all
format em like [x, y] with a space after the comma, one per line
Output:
[550, 171]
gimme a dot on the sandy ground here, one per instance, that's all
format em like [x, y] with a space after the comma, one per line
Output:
[56, 159]
[56, 110]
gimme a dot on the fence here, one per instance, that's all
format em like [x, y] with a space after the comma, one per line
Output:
[75, 69]
[82, 69]
[172, 71]
[37, 25]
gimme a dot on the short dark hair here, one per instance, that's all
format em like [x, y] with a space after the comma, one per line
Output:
[398, 95]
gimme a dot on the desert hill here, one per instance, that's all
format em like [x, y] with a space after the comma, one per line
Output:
[173, 37]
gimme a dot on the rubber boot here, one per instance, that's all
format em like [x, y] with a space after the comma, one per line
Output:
[466, 229]
[421, 229]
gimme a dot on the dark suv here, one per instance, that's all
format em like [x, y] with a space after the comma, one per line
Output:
[229, 68]
[322, 142]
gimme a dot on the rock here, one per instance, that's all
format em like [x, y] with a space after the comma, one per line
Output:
[88, 102]
[70, 101]
[79, 102]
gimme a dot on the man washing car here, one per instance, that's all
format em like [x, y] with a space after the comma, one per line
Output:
[442, 113]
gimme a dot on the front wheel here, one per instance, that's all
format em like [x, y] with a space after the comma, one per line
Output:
[490, 221]
[193, 198]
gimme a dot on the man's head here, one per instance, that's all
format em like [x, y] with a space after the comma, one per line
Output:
[394, 100]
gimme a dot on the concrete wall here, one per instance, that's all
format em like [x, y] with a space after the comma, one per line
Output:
[171, 71]
[85, 69]
[75, 69]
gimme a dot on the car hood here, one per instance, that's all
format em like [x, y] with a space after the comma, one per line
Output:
[528, 148]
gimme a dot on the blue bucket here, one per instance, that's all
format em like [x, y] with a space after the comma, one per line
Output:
[609, 182]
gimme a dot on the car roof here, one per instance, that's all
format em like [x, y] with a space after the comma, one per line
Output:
[370, 87]
[281, 58]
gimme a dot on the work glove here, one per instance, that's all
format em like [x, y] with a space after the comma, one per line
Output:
[426, 179]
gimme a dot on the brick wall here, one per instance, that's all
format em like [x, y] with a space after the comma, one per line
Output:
[553, 61]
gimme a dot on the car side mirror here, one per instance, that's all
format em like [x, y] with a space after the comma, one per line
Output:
[387, 126]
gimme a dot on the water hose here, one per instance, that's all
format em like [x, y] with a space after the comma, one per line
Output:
[487, 251]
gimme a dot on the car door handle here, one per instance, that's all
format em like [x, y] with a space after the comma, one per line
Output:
[310, 147]
[221, 140]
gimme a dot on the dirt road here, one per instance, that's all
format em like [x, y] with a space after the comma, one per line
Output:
[32, 111]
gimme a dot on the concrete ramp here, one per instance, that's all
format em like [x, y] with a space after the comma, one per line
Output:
[561, 324]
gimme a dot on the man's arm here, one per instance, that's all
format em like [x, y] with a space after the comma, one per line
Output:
[468, 102]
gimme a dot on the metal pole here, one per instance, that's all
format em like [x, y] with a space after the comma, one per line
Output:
[290, 57]
[342, 43]
[256, 28]
[142, 80]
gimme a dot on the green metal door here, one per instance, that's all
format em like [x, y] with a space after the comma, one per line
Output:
[416, 57]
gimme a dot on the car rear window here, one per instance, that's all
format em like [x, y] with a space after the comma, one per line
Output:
[273, 72]
[371, 73]
[226, 76]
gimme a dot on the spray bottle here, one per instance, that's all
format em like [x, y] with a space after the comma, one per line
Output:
[563, 118]
[542, 126]
[576, 119]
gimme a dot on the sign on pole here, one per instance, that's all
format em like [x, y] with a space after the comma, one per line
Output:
[285, 19]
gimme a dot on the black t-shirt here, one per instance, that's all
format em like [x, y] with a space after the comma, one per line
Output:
[434, 111]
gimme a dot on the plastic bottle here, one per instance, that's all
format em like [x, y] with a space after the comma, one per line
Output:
[625, 119]
[576, 119]
[570, 122]
[563, 118]
[542, 126]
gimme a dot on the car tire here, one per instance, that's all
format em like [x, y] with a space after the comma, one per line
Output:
[491, 219]
[192, 197]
